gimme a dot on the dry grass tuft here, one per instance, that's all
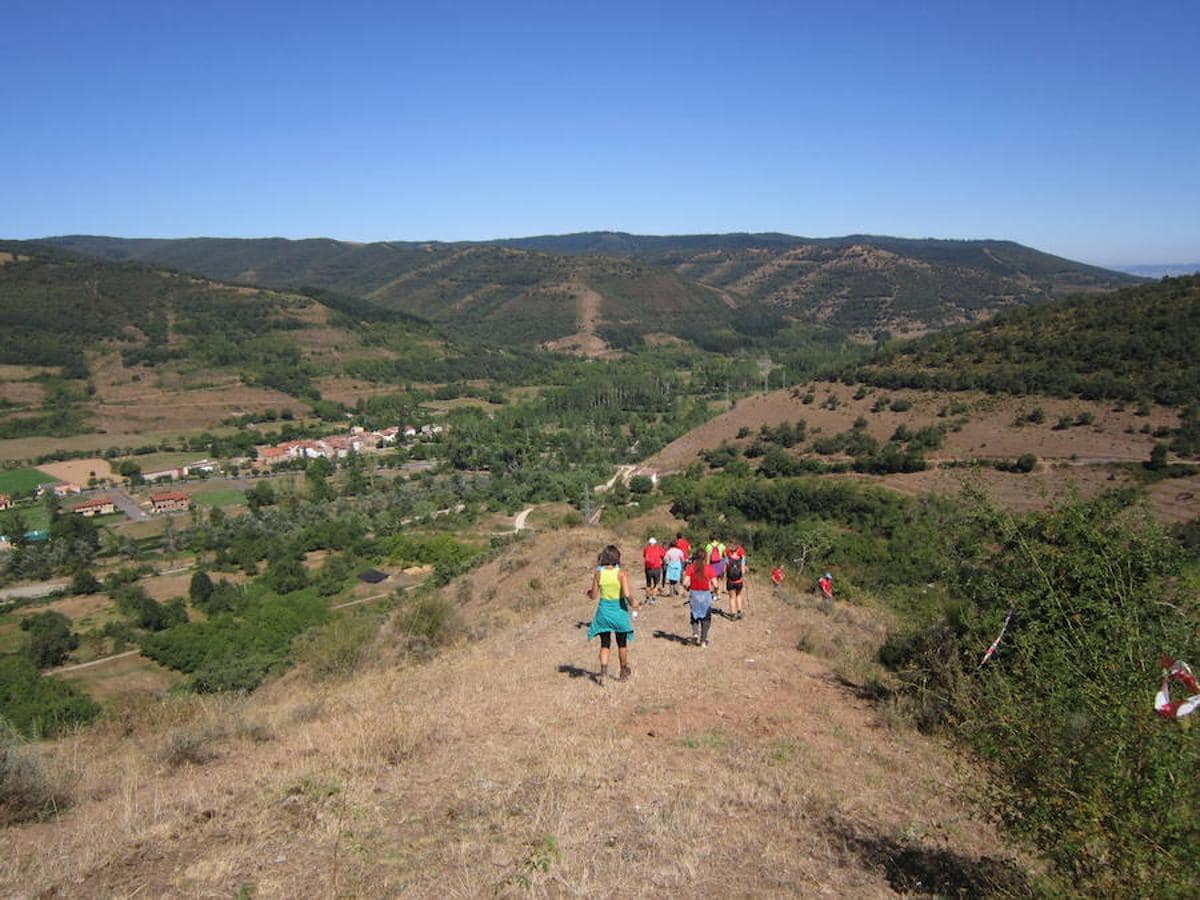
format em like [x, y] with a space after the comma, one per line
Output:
[28, 788]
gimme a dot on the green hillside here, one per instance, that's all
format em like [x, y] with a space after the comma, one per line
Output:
[60, 313]
[1139, 343]
[527, 290]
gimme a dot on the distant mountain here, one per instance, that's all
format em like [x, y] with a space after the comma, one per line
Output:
[1163, 270]
[1137, 344]
[611, 285]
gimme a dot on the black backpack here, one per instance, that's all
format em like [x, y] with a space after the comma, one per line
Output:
[734, 572]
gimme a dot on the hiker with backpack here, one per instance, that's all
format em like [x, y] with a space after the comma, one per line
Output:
[698, 579]
[610, 588]
[735, 578]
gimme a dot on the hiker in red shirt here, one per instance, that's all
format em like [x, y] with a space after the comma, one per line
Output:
[699, 578]
[652, 555]
[684, 544]
[825, 583]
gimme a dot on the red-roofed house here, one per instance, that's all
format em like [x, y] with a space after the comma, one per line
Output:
[170, 501]
[97, 506]
[271, 455]
[6, 501]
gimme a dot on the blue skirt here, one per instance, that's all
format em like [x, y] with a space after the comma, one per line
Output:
[701, 603]
[611, 615]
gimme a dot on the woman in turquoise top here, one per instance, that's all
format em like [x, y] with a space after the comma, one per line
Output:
[610, 587]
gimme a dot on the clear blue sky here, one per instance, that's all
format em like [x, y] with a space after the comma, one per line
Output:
[1073, 127]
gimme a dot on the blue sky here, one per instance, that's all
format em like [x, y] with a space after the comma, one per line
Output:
[1071, 127]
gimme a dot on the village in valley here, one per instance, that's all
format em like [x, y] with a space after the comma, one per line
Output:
[139, 493]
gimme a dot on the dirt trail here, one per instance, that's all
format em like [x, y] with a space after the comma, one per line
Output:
[752, 767]
[585, 341]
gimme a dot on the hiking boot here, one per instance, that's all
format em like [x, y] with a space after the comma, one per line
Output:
[625, 673]
[704, 644]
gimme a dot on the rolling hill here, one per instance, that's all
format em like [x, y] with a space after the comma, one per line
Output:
[542, 289]
[91, 343]
[1137, 344]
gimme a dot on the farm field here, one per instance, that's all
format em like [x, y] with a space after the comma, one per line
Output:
[150, 462]
[79, 470]
[33, 447]
[220, 498]
[20, 481]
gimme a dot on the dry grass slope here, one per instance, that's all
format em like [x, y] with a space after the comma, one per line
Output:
[753, 767]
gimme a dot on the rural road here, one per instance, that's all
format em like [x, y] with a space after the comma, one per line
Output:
[128, 505]
[519, 521]
[94, 662]
[26, 591]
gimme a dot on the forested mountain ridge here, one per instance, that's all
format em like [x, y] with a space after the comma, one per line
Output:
[539, 289]
[1137, 344]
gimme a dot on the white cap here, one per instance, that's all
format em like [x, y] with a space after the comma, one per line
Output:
[653, 541]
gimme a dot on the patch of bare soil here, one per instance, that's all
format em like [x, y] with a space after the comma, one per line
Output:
[585, 342]
[753, 767]
[22, 392]
[1079, 457]
[350, 390]
[79, 470]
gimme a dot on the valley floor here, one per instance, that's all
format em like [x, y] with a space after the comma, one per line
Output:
[752, 767]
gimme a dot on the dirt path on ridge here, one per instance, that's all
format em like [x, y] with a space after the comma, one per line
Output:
[753, 767]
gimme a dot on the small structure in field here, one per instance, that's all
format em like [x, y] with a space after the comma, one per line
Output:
[6, 502]
[372, 576]
[60, 488]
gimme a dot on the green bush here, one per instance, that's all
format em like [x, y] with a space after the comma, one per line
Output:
[50, 638]
[39, 706]
[338, 648]
[1062, 712]
[236, 651]
[641, 484]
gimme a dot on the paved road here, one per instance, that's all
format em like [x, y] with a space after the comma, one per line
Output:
[128, 505]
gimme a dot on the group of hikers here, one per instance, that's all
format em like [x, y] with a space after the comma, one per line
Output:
[702, 571]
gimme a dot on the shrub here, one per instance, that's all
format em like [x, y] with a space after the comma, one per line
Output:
[26, 789]
[429, 621]
[192, 744]
[84, 582]
[641, 484]
[1084, 770]
[50, 638]
[39, 706]
[338, 648]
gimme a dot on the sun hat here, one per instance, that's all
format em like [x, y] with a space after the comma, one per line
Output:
[653, 541]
